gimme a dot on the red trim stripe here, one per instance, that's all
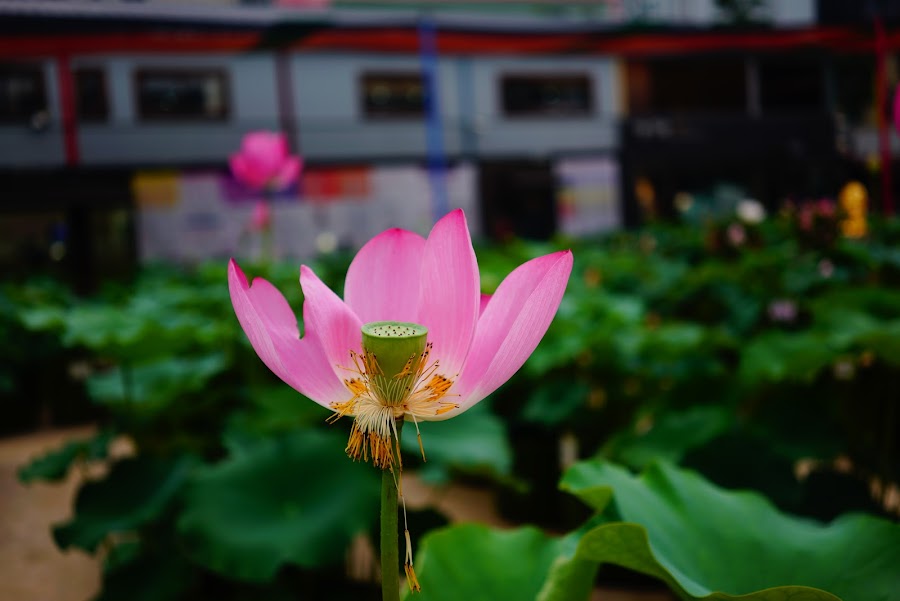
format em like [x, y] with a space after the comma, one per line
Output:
[405, 40]
[69, 115]
[174, 42]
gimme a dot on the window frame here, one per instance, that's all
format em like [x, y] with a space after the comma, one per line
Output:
[588, 78]
[142, 73]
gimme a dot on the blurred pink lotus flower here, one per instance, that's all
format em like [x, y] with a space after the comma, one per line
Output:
[736, 234]
[783, 310]
[473, 345]
[805, 217]
[263, 163]
[826, 207]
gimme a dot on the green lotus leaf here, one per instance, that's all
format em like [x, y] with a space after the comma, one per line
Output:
[43, 318]
[135, 492]
[151, 387]
[294, 499]
[884, 340]
[473, 442]
[54, 465]
[671, 436]
[273, 409]
[570, 578]
[104, 328]
[475, 563]
[155, 576]
[780, 356]
[710, 543]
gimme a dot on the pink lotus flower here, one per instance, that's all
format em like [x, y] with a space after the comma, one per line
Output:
[413, 337]
[263, 163]
[475, 343]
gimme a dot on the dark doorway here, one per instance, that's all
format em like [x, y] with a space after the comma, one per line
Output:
[518, 199]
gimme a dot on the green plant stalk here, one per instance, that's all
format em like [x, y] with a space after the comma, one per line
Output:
[390, 557]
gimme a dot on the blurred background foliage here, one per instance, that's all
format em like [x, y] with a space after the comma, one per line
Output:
[760, 356]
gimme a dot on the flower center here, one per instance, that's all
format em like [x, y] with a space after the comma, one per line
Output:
[393, 351]
[393, 377]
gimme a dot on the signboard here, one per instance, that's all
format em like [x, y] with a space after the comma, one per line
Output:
[196, 216]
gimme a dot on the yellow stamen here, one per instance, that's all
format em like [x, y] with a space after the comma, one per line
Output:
[363, 445]
[417, 390]
[342, 409]
[407, 369]
[411, 579]
[445, 408]
[419, 437]
[355, 386]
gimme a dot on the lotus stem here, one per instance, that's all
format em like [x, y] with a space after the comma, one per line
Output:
[390, 557]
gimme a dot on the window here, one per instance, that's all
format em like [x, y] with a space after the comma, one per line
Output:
[182, 94]
[91, 101]
[22, 93]
[546, 95]
[393, 95]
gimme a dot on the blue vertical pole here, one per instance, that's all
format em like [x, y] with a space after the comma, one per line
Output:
[436, 160]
